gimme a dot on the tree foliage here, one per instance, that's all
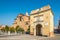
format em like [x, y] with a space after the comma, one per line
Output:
[19, 29]
[12, 29]
[28, 30]
[6, 28]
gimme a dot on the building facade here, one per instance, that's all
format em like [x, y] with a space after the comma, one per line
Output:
[41, 22]
[22, 21]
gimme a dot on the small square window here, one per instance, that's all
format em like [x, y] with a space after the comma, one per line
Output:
[26, 23]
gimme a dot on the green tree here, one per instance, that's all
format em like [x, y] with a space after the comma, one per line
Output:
[6, 28]
[12, 29]
[19, 29]
[28, 30]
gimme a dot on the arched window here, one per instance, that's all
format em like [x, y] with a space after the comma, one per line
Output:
[20, 18]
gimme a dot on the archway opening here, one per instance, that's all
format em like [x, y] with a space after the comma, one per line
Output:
[38, 30]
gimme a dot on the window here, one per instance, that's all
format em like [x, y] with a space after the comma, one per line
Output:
[20, 18]
[36, 18]
[41, 18]
[26, 23]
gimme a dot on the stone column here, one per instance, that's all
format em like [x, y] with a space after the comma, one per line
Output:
[51, 33]
[34, 30]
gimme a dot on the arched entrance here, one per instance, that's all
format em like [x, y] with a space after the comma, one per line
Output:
[38, 29]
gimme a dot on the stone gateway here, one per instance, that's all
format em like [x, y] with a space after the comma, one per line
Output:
[41, 22]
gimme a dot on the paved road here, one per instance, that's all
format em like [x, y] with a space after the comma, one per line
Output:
[28, 37]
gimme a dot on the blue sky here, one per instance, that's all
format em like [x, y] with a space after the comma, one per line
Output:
[9, 9]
